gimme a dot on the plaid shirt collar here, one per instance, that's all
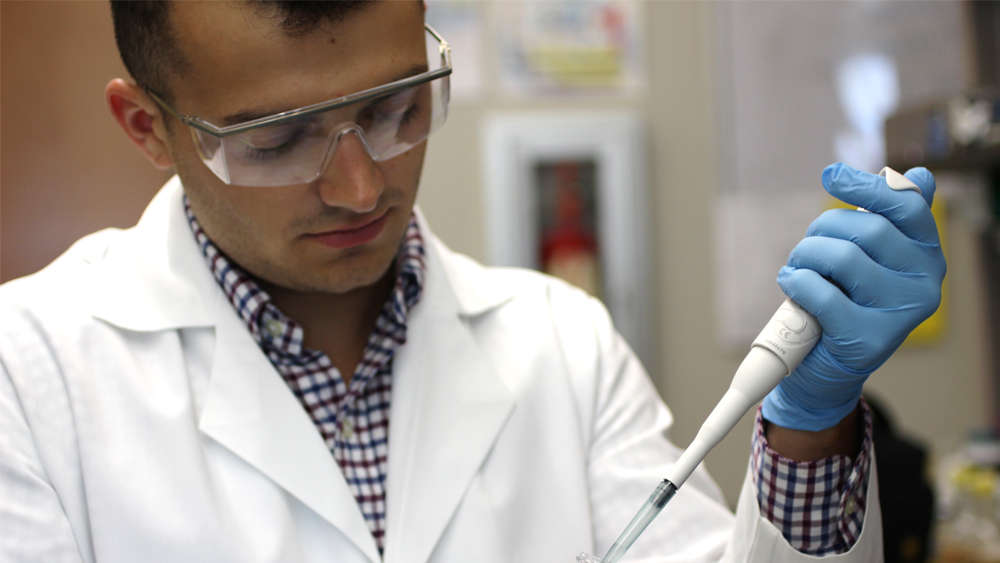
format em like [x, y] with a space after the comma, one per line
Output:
[273, 330]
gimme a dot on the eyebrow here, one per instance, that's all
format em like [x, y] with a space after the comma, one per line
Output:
[251, 114]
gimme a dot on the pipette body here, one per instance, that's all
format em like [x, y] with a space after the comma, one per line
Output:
[786, 339]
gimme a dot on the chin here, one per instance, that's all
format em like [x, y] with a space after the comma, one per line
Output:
[343, 286]
[344, 278]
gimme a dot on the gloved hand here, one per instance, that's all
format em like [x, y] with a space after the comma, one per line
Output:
[869, 279]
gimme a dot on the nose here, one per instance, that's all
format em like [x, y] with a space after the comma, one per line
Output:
[351, 180]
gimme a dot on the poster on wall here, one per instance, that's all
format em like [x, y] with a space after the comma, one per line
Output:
[589, 46]
[566, 194]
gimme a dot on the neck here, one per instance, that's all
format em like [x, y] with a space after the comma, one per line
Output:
[337, 324]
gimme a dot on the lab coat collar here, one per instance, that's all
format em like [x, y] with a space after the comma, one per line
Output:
[471, 288]
[155, 278]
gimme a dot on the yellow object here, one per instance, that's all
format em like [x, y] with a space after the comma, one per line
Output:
[931, 330]
[978, 481]
[578, 66]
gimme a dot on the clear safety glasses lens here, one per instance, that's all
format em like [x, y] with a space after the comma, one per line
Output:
[298, 150]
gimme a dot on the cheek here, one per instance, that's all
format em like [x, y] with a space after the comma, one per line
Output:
[232, 216]
[403, 172]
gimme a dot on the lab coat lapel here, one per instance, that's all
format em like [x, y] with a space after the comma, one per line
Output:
[448, 407]
[157, 280]
[250, 410]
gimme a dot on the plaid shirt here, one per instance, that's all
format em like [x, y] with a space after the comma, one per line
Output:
[819, 505]
[352, 419]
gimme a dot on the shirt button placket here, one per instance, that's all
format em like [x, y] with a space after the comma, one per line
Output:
[274, 328]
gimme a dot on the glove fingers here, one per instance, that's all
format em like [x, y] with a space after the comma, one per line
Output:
[819, 297]
[876, 236]
[845, 264]
[906, 209]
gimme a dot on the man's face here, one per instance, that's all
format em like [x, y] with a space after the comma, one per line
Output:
[341, 231]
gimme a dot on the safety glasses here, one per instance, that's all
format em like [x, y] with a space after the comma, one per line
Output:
[296, 146]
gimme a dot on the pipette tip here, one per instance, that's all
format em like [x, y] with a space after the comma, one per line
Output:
[652, 507]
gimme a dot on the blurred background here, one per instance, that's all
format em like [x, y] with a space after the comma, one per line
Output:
[699, 131]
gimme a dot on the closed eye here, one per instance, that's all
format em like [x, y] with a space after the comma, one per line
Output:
[273, 142]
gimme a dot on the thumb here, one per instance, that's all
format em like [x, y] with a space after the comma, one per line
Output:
[924, 180]
[909, 213]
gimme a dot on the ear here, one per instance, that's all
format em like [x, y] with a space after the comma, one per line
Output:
[141, 119]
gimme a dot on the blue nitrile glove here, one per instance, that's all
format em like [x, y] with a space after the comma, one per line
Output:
[869, 279]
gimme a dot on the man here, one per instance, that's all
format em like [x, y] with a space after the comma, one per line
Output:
[280, 362]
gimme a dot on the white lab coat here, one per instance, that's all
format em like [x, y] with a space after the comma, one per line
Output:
[140, 422]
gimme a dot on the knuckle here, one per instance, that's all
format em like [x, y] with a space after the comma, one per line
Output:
[925, 300]
[844, 253]
[826, 299]
[826, 222]
[940, 267]
[933, 298]
[801, 250]
[878, 229]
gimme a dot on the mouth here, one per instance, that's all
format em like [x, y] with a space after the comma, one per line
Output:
[356, 234]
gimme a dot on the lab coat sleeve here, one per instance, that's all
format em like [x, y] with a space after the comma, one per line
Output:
[629, 455]
[39, 467]
[35, 526]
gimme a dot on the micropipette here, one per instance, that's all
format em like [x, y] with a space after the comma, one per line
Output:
[779, 348]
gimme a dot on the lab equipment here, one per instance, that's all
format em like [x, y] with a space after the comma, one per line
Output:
[781, 346]
[968, 505]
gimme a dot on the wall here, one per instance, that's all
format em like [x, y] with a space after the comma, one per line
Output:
[67, 170]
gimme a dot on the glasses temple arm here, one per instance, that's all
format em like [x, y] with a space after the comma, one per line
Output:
[166, 107]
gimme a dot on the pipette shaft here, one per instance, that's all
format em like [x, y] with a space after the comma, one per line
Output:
[654, 504]
[786, 339]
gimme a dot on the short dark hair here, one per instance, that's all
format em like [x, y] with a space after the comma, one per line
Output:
[147, 44]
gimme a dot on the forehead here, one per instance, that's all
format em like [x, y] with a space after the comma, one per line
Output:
[241, 60]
